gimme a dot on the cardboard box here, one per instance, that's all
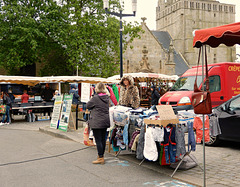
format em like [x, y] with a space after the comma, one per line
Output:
[161, 122]
[166, 115]
[42, 118]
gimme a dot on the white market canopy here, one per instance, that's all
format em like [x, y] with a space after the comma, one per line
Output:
[78, 79]
[31, 81]
[147, 75]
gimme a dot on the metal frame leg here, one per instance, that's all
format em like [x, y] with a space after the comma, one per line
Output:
[142, 161]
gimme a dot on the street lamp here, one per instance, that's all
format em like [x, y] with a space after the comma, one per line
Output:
[120, 15]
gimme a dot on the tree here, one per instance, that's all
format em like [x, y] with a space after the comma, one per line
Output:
[61, 36]
[30, 30]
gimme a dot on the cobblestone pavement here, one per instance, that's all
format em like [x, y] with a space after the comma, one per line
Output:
[222, 163]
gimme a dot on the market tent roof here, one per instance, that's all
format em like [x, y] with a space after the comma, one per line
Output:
[146, 75]
[31, 81]
[92, 80]
[226, 34]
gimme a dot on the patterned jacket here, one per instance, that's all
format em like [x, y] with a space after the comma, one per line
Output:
[129, 96]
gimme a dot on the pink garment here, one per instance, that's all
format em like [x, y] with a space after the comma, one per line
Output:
[24, 98]
[101, 94]
[112, 96]
[198, 125]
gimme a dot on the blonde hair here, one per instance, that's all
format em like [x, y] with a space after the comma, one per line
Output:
[100, 88]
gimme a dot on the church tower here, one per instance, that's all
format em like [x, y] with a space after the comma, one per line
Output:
[181, 17]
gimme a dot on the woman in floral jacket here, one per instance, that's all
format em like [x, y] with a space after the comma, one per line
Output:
[129, 94]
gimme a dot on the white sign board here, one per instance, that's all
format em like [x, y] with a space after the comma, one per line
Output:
[65, 114]
[85, 92]
[56, 111]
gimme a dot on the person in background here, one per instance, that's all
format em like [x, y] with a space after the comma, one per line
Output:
[99, 120]
[11, 95]
[74, 91]
[129, 94]
[56, 93]
[6, 101]
[24, 97]
[154, 95]
[47, 93]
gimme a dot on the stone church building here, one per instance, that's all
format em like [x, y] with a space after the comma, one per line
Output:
[153, 53]
[169, 49]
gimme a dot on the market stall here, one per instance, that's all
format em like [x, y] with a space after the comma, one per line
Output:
[145, 80]
[226, 34]
[156, 135]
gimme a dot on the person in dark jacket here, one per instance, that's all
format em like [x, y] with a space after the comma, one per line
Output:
[99, 119]
[47, 93]
[155, 95]
[6, 101]
[75, 93]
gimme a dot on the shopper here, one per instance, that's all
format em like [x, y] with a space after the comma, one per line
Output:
[129, 94]
[24, 97]
[99, 119]
[154, 95]
[74, 91]
[6, 101]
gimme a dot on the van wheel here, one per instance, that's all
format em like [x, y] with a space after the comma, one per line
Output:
[214, 141]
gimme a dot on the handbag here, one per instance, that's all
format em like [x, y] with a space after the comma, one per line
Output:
[86, 133]
[2, 109]
[201, 100]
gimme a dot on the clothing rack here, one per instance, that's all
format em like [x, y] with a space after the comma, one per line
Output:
[154, 123]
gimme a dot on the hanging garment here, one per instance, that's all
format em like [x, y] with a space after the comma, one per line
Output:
[134, 145]
[180, 140]
[112, 96]
[134, 134]
[140, 147]
[169, 143]
[113, 141]
[125, 134]
[115, 91]
[214, 128]
[158, 134]
[198, 125]
[150, 149]
[191, 137]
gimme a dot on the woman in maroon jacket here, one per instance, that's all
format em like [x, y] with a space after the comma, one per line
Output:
[99, 119]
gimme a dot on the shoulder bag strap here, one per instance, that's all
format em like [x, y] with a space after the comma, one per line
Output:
[195, 84]
[207, 79]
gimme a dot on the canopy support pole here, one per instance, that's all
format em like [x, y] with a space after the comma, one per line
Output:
[203, 120]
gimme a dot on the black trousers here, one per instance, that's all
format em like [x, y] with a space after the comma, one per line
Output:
[100, 138]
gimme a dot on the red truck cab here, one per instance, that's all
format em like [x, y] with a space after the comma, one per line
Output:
[224, 83]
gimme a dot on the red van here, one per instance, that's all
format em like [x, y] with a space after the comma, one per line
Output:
[224, 83]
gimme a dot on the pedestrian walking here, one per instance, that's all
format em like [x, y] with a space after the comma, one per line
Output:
[99, 119]
[6, 101]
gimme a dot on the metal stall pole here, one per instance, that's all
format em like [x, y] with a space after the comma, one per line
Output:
[203, 120]
[77, 117]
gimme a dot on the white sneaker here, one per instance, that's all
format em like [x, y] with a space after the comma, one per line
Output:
[1, 123]
[6, 123]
